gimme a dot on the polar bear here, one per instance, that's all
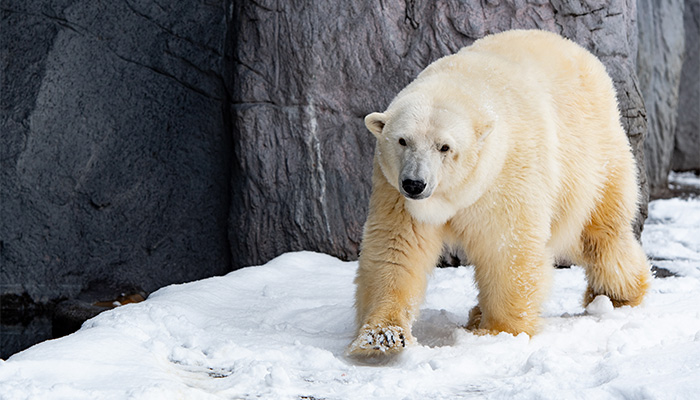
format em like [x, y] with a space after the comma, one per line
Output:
[511, 149]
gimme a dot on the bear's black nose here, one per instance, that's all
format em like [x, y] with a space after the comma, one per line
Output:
[413, 188]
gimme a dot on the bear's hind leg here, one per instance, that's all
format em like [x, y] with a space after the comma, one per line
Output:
[615, 263]
[616, 266]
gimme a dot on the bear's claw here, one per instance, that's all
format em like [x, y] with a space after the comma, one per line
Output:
[378, 339]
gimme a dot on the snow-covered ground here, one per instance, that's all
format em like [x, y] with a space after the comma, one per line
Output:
[280, 331]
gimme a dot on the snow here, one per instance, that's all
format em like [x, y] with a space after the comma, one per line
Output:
[280, 331]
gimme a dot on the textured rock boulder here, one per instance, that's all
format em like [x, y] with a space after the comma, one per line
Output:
[686, 155]
[659, 63]
[115, 160]
[306, 74]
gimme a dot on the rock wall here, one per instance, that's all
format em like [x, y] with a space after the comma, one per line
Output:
[306, 73]
[686, 153]
[115, 161]
[659, 63]
[146, 144]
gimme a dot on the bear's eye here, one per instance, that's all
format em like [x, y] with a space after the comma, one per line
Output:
[402, 142]
[444, 148]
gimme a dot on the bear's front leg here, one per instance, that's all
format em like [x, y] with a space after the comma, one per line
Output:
[511, 285]
[397, 255]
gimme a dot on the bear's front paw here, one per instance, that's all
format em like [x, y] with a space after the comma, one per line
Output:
[378, 340]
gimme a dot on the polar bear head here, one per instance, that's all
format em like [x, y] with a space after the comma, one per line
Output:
[427, 147]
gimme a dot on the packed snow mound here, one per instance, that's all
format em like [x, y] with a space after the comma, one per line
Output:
[281, 331]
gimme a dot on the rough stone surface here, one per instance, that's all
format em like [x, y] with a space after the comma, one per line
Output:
[146, 143]
[307, 73]
[115, 160]
[659, 63]
[686, 154]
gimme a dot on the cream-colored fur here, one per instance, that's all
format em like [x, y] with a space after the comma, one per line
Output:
[517, 140]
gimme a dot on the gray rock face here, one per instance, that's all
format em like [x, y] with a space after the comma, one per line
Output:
[686, 154]
[115, 160]
[659, 63]
[145, 144]
[306, 74]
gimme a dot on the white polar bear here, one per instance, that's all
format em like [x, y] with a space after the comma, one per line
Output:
[511, 149]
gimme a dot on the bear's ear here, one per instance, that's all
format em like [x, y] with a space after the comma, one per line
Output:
[484, 130]
[375, 123]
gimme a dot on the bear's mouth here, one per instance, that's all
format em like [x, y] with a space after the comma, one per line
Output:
[421, 196]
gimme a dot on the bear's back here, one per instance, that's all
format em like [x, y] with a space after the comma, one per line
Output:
[554, 55]
[571, 74]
